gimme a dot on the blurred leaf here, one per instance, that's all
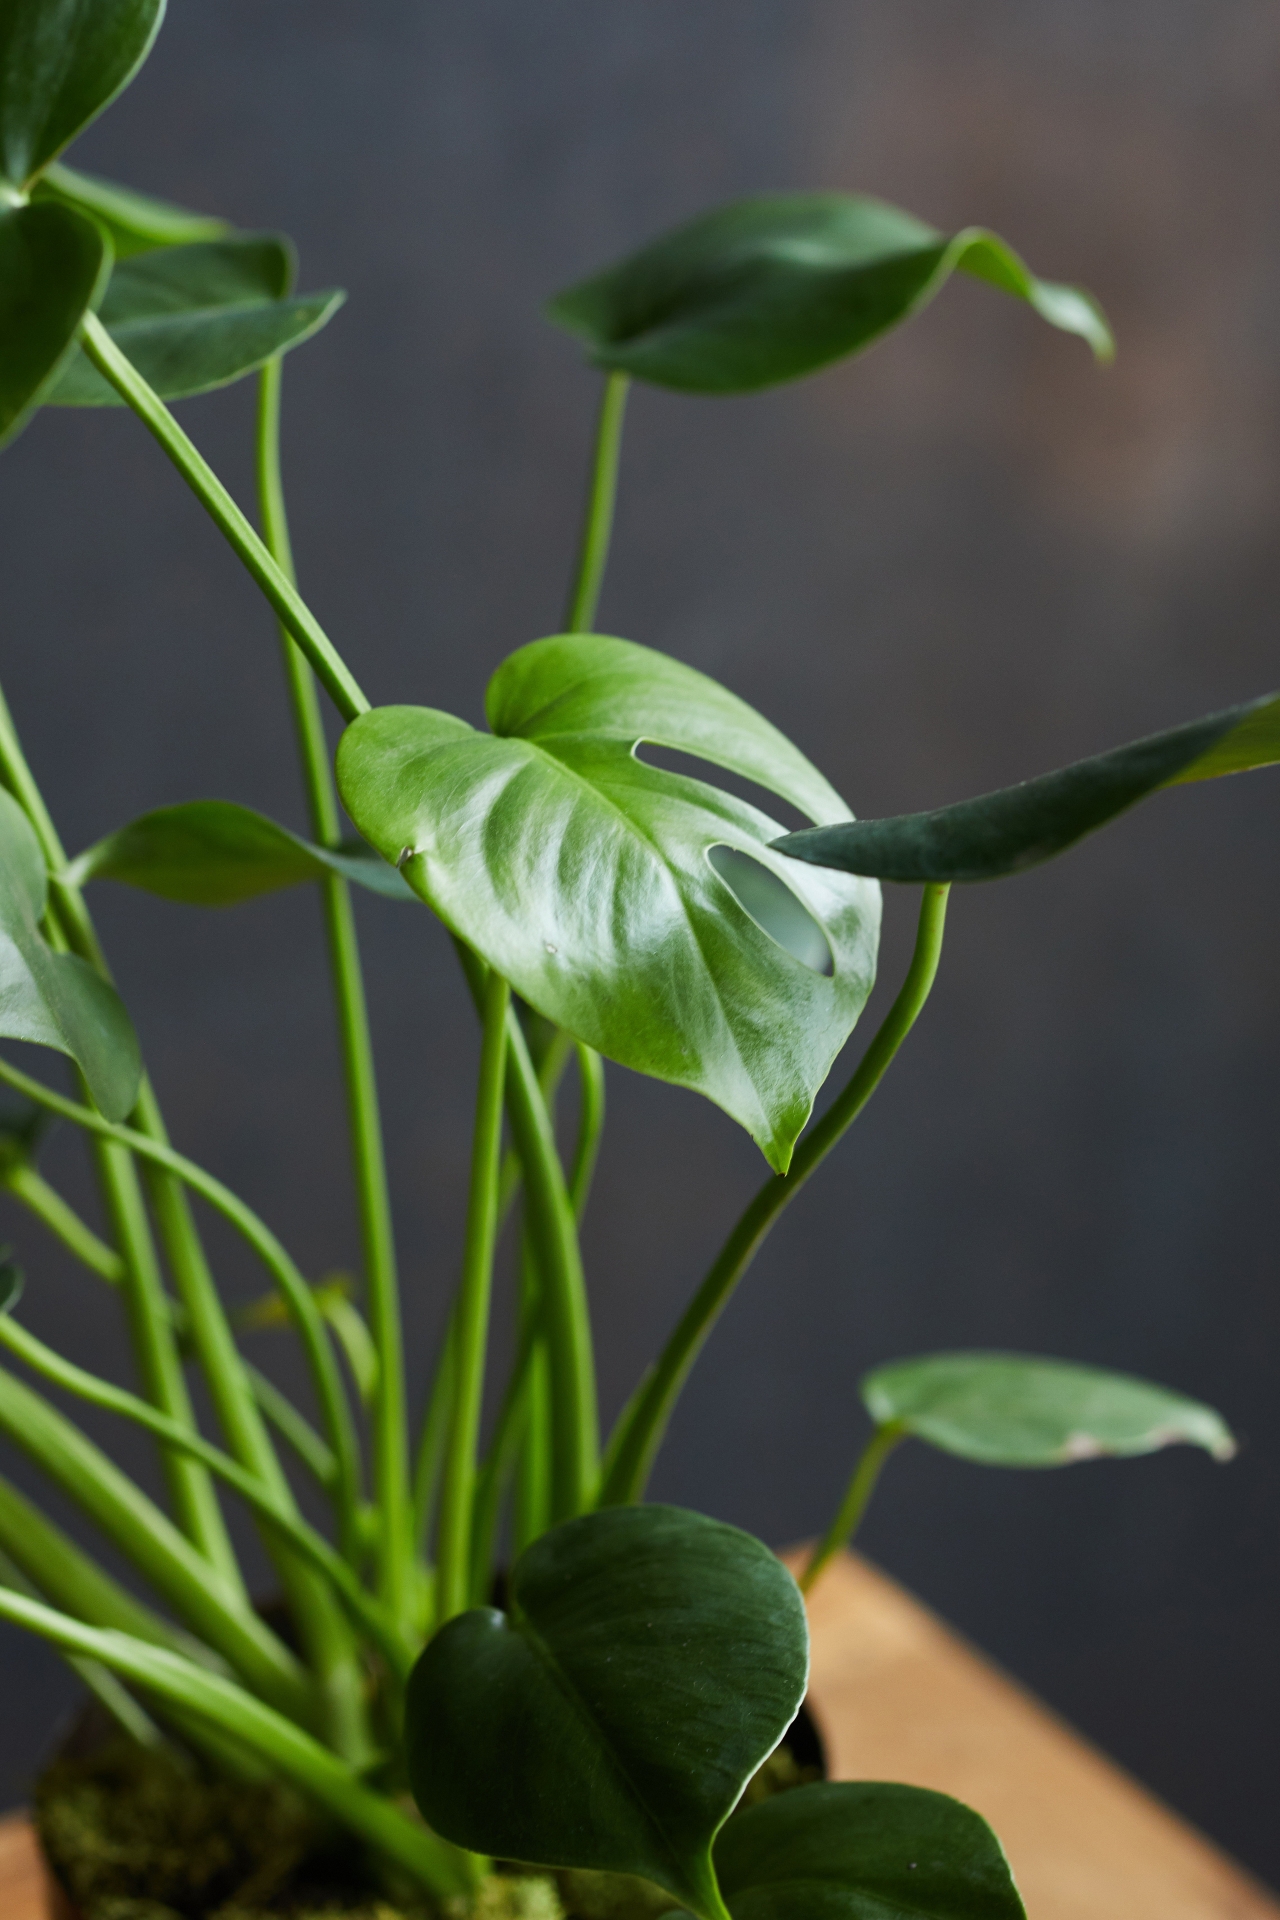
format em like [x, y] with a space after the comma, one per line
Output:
[766, 290]
[213, 853]
[53, 267]
[1017, 827]
[1017, 1410]
[864, 1850]
[61, 63]
[191, 318]
[639, 909]
[649, 1661]
[334, 1295]
[11, 1282]
[55, 999]
[135, 222]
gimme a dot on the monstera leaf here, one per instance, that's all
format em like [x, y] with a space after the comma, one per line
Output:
[191, 318]
[1018, 1410]
[640, 909]
[134, 221]
[648, 1662]
[53, 268]
[55, 999]
[767, 290]
[61, 63]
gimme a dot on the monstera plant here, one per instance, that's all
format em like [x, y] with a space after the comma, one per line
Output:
[577, 1688]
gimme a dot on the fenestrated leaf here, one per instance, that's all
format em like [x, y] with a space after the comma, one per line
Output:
[135, 222]
[191, 318]
[61, 63]
[53, 267]
[1018, 1410]
[1017, 827]
[864, 1850]
[649, 1662]
[11, 1282]
[56, 999]
[214, 853]
[592, 880]
[770, 289]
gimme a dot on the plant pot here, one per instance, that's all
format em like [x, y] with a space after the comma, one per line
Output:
[898, 1697]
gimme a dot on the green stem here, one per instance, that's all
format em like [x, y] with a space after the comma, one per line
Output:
[335, 676]
[474, 1294]
[640, 1428]
[491, 1481]
[388, 1419]
[590, 1125]
[532, 1515]
[294, 1429]
[854, 1505]
[48, 1205]
[597, 527]
[435, 1427]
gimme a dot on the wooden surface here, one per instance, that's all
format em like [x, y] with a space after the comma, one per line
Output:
[898, 1697]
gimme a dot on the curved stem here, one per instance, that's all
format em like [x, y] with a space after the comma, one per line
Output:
[62, 1220]
[597, 527]
[638, 1434]
[590, 1125]
[854, 1505]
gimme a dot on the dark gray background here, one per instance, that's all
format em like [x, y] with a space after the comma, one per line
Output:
[959, 561]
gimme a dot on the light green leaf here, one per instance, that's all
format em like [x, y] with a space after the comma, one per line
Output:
[770, 289]
[1017, 827]
[61, 63]
[56, 999]
[864, 1850]
[1017, 1410]
[649, 1662]
[53, 268]
[11, 1282]
[213, 853]
[191, 318]
[637, 908]
[135, 222]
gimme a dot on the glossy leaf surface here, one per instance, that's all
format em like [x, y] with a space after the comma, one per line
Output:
[590, 880]
[134, 221]
[196, 317]
[1018, 1410]
[61, 63]
[1017, 827]
[766, 290]
[53, 267]
[649, 1662]
[864, 1850]
[55, 999]
[213, 853]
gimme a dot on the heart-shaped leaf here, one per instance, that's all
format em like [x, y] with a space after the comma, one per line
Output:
[56, 999]
[637, 908]
[213, 853]
[135, 222]
[649, 1662]
[1017, 827]
[53, 267]
[11, 1282]
[61, 63]
[864, 1850]
[766, 290]
[195, 317]
[1017, 1410]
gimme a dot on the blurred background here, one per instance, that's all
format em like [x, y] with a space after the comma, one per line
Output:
[958, 561]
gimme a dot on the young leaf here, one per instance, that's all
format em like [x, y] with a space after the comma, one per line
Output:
[11, 1282]
[61, 63]
[56, 999]
[135, 222]
[649, 1662]
[213, 853]
[1016, 1410]
[639, 909]
[1017, 827]
[864, 1850]
[191, 318]
[766, 290]
[53, 268]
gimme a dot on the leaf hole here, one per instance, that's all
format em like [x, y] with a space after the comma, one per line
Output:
[669, 760]
[774, 908]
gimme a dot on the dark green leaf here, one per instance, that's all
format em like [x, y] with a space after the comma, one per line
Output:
[864, 1850]
[61, 63]
[53, 267]
[611, 893]
[1016, 1410]
[767, 290]
[650, 1660]
[1017, 827]
[213, 853]
[195, 317]
[135, 222]
[11, 1282]
[55, 999]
